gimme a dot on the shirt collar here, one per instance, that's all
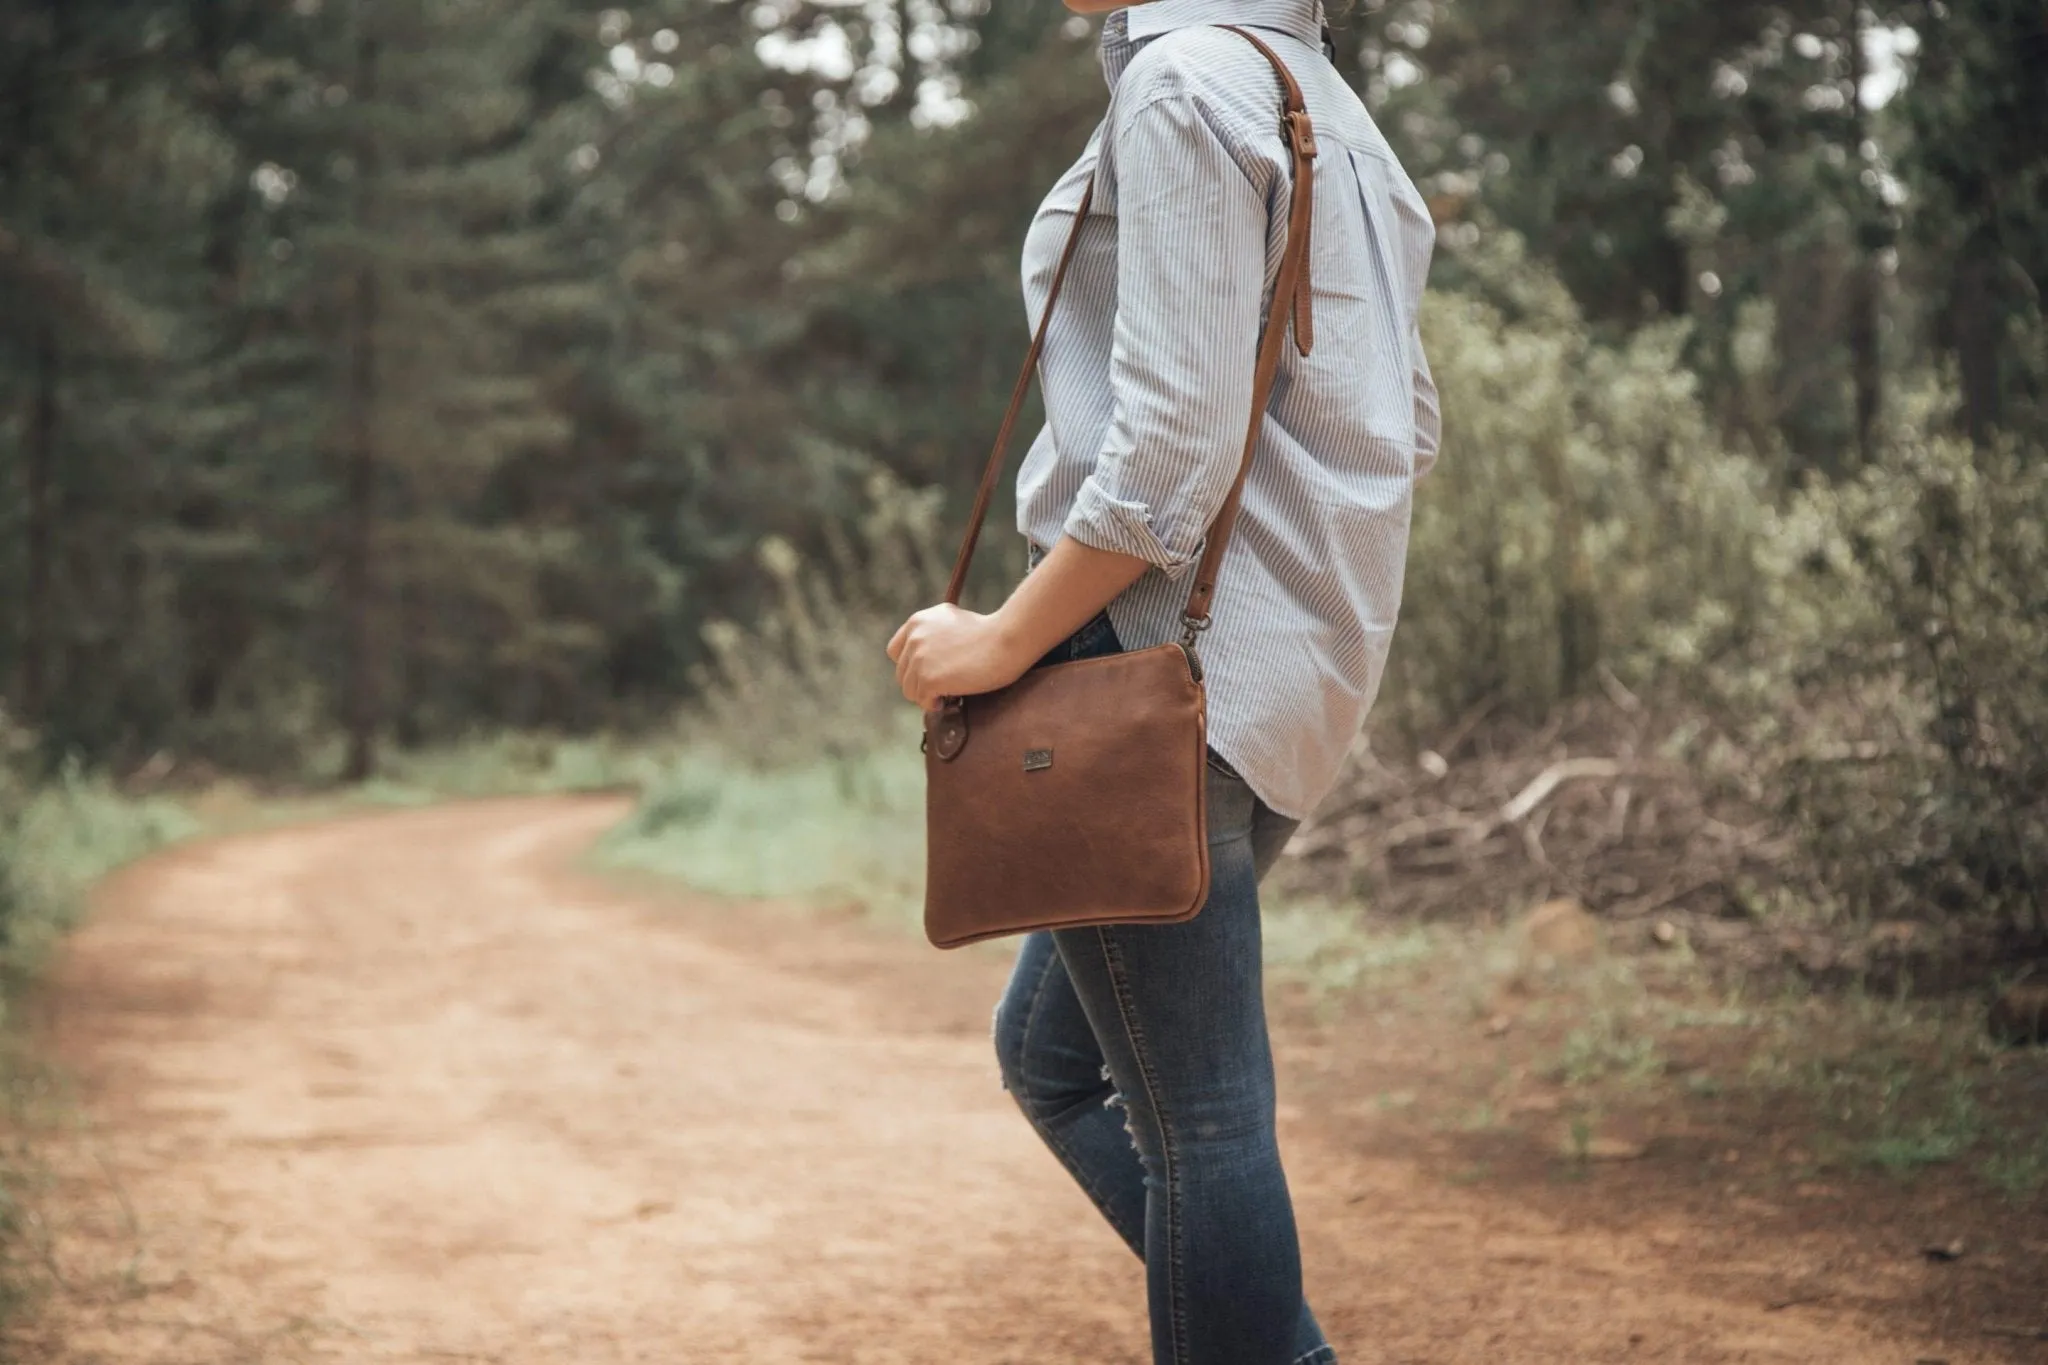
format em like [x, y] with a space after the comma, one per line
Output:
[1297, 18]
[1128, 29]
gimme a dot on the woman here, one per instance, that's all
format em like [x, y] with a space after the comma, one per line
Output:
[1147, 378]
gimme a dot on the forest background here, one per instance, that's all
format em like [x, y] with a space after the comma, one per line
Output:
[376, 375]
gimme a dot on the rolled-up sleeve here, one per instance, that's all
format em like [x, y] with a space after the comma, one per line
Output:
[1191, 258]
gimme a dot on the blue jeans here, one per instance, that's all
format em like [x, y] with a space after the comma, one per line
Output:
[1168, 1024]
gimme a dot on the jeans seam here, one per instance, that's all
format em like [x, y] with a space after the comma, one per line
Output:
[1044, 1130]
[1119, 985]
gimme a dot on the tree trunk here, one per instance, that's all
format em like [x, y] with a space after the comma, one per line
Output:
[1865, 363]
[358, 590]
[359, 535]
[215, 97]
[1571, 569]
[1974, 327]
[40, 498]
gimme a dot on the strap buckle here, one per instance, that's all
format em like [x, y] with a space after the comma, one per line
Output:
[1301, 131]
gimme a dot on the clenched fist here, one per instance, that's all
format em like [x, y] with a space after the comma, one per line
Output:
[946, 651]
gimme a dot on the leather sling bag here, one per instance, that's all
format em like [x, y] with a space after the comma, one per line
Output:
[1077, 795]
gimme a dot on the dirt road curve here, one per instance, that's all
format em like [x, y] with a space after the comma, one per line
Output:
[403, 1088]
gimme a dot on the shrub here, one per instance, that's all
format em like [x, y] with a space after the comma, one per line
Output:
[799, 776]
[1876, 650]
[807, 681]
[1901, 690]
[1583, 513]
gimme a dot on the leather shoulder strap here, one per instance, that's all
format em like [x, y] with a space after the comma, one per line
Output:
[1291, 302]
[1291, 293]
[961, 562]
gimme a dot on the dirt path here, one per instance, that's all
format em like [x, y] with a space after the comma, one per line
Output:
[403, 1088]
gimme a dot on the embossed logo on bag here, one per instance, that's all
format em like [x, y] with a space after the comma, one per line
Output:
[1037, 760]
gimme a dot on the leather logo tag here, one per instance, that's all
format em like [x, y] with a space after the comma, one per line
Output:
[1037, 760]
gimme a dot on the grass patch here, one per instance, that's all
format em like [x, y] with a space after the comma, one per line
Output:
[62, 837]
[1609, 1047]
[514, 765]
[2019, 1168]
[836, 831]
[1842, 1082]
[1334, 949]
[57, 838]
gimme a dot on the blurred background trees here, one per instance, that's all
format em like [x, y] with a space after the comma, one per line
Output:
[376, 371]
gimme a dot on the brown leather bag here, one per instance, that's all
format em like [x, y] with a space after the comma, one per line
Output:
[1076, 795]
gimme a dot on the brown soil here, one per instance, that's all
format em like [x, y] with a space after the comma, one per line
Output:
[407, 1088]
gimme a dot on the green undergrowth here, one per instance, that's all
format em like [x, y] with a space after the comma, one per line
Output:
[1333, 950]
[56, 839]
[796, 778]
[837, 831]
[513, 764]
[1845, 1082]
[58, 836]
[1876, 1085]
[1827, 1085]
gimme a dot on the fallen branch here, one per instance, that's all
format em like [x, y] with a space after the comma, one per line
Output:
[1616, 692]
[1423, 857]
[1462, 731]
[1531, 796]
[1422, 828]
[1532, 840]
[1651, 904]
[1617, 814]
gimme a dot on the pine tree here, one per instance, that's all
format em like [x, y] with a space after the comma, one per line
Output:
[402, 209]
[91, 150]
[1705, 162]
[1978, 111]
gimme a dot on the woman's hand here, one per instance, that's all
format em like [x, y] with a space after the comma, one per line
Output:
[945, 651]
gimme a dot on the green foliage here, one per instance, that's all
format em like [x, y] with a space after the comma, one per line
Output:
[799, 776]
[409, 371]
[57, 836]
[846, 830]
[1584, 512]
[1902, 680]
[1334, 949]
[513, 763]
[809, 678]
[1675, 159]
[1934, 1140]
[2019, 1169]
[1977, 159]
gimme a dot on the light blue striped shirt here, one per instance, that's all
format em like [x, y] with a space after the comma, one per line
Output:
[1147, 376]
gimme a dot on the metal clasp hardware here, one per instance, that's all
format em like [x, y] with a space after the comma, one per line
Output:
[1037, 760]
[1192, 627]
[945, 730]
[1301, 131]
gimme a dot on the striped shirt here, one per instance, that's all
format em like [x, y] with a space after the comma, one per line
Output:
[1147, 377]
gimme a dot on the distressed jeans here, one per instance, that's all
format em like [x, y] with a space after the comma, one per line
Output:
[1167, 1024]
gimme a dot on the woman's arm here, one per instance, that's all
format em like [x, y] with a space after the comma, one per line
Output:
[1191, 251]
[946, 651]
